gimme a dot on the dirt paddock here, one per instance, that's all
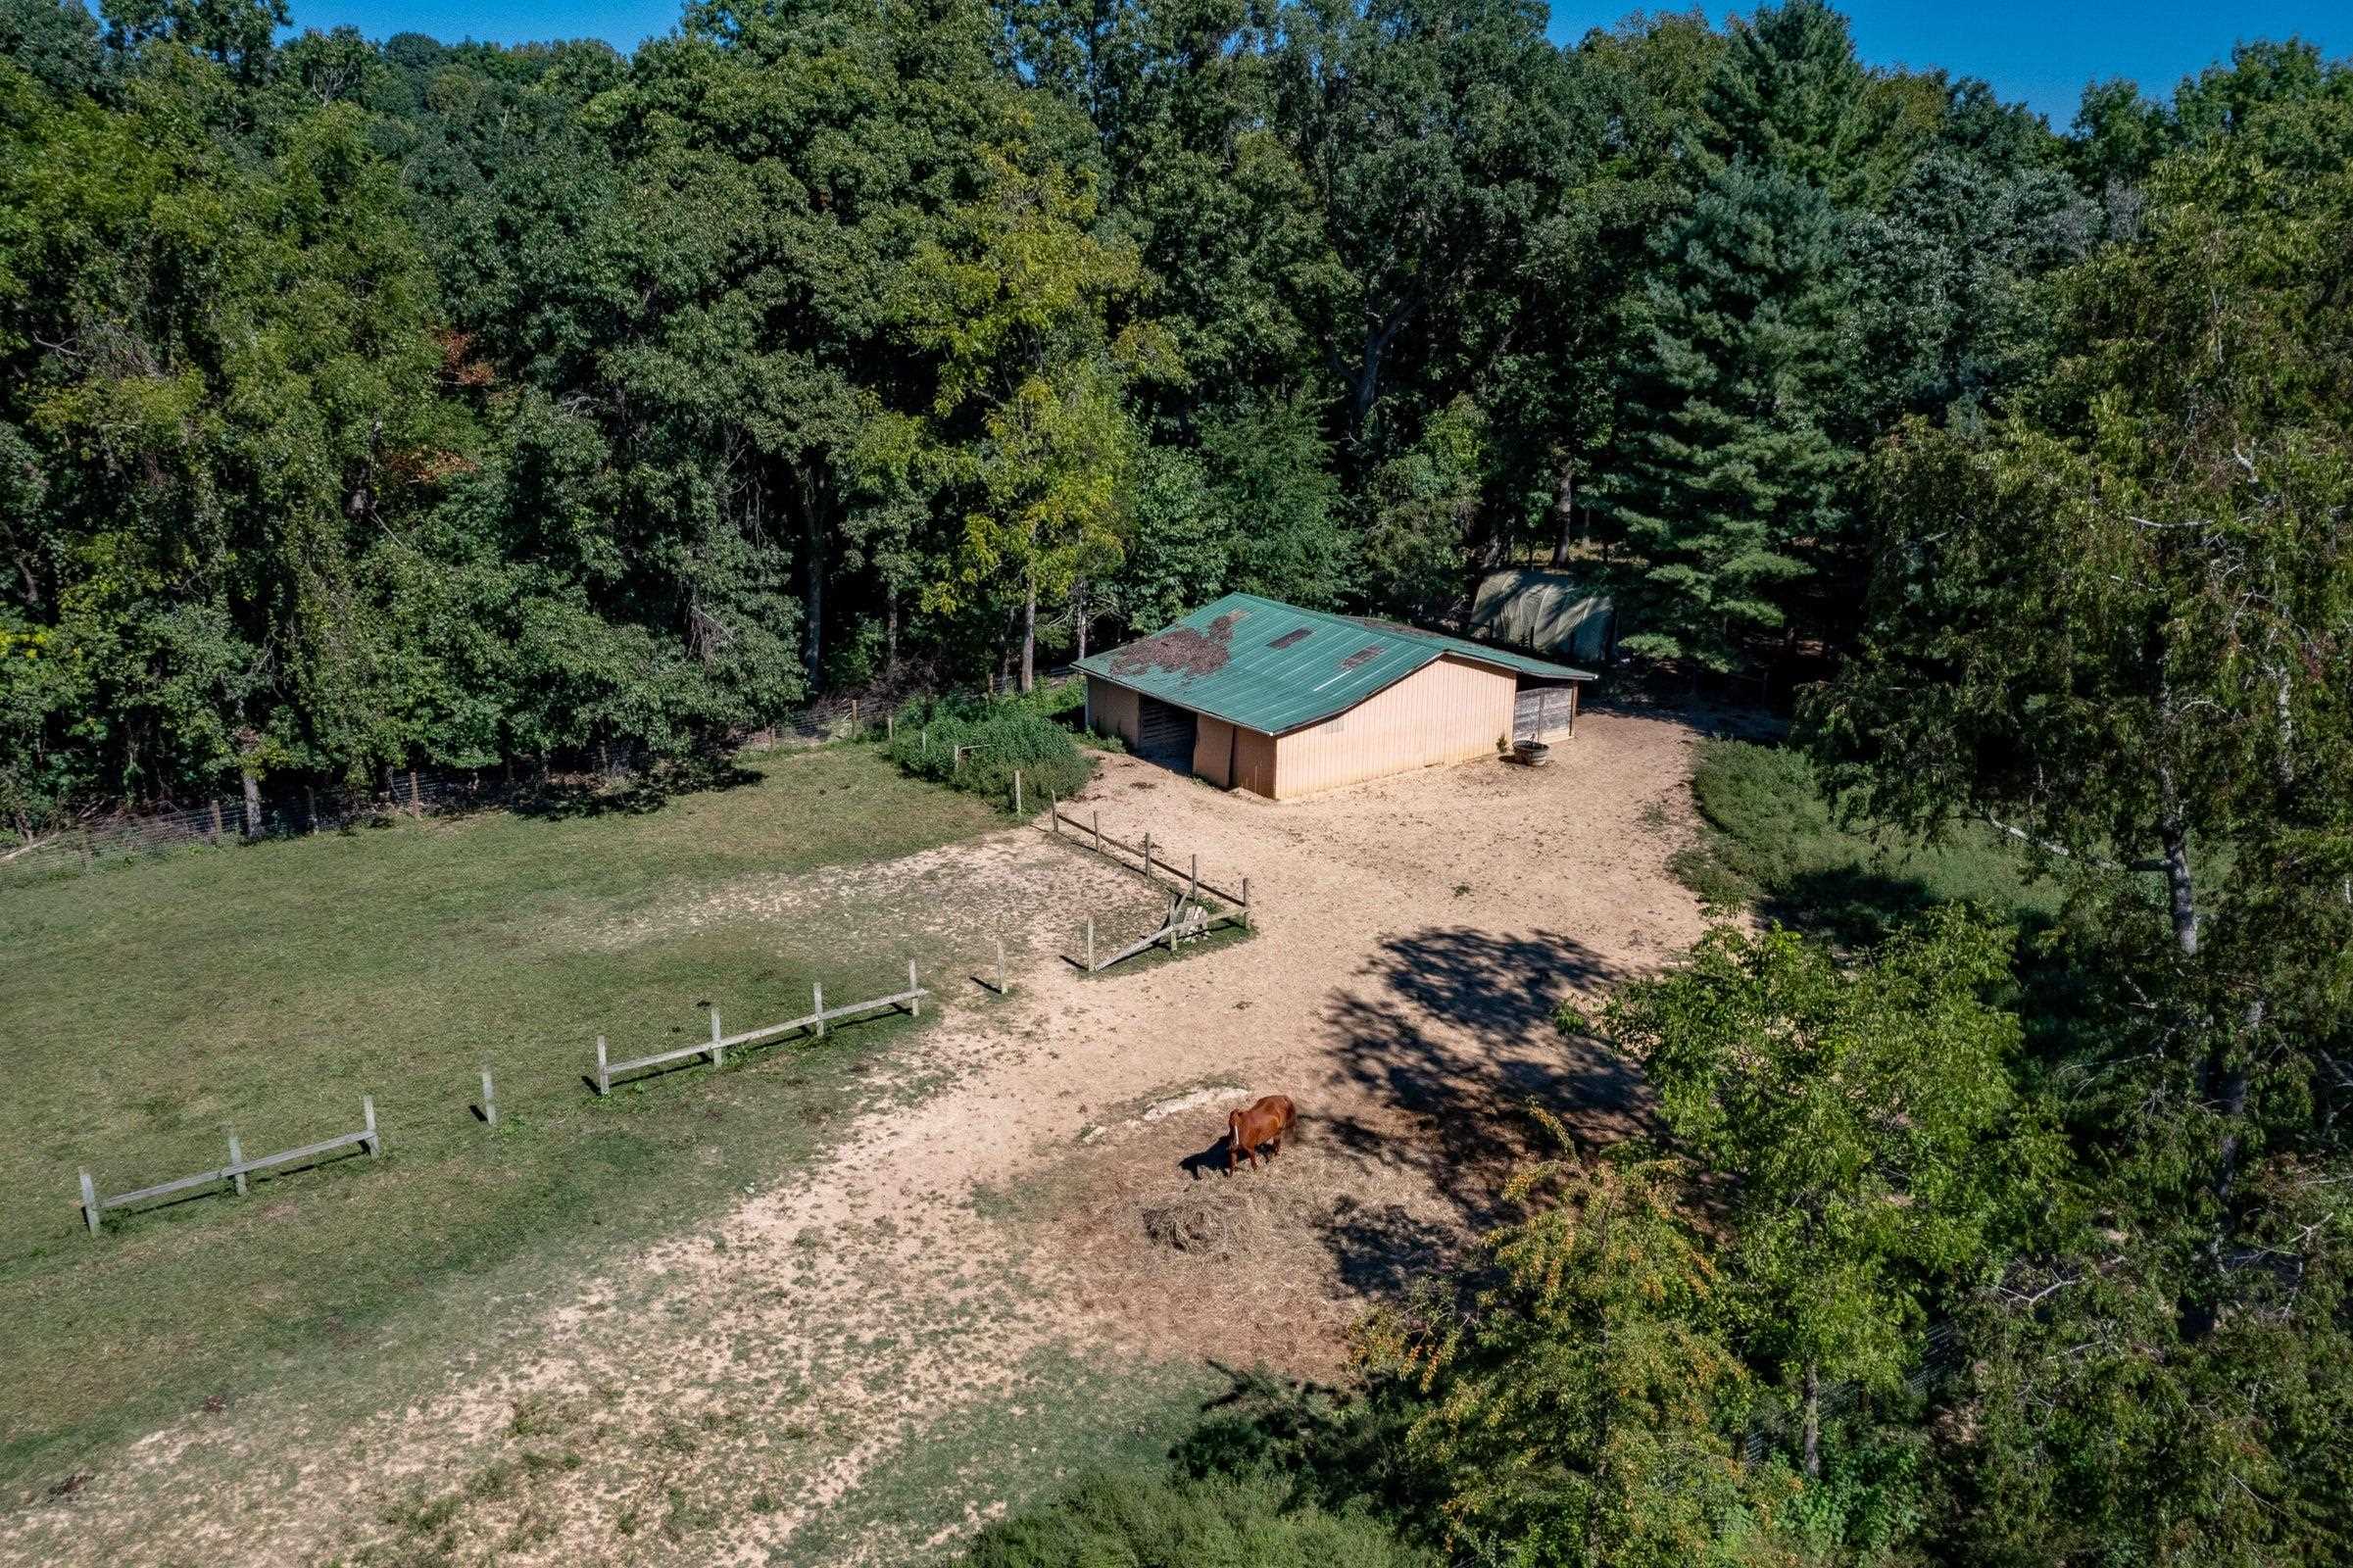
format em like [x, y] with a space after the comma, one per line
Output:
[1064, 1191]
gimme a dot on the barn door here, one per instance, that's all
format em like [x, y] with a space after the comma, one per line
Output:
[1541, 711]
[1164, 734]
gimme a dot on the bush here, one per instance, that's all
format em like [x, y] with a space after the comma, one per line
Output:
[1003, 736]
[1143, 1521]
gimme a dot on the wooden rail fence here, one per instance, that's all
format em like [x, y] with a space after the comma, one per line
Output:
[237, 1168]
[1089, 835]
[719, 1044]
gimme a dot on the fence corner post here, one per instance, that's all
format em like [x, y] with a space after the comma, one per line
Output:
[1053, 813]
[816, 989]
[236, 1157]
[376, 1140]
[718, 1051]
[89, 1203]
[914, 991]
[604, 1076]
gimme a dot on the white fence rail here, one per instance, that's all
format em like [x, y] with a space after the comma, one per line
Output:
[719, 1044]
[237, 1168]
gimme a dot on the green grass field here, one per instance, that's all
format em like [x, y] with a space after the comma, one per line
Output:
[268, 986]
[1769, 840]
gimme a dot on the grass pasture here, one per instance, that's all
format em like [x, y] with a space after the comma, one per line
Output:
[1770, 840]
[267, 987]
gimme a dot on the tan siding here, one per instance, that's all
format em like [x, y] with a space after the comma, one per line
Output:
[1213, 748]
[1112, 710]
[1255, 763]
[1447, 711]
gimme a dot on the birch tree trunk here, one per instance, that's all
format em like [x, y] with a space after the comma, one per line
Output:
[1029, 636]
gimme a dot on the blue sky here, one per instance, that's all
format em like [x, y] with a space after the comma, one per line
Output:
[2041, 51]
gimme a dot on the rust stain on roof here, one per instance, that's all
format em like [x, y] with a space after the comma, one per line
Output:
[1180, 649]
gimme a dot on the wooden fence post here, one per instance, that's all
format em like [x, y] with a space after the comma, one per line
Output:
[309, 809]
[417, 804]
[604, 1078]
[1246, 904]
[89, 1203]
[1053, 813]
[490, 1103]
[376, 1140]
[1098, 816]
[718, 1051]
[1192, 890]
[1000, 966]
[1148, 852]
[912, 987]
[1016, 792]
[819, 1009]
[1089, 943]
[889, 727]
[216, 819]
[236, 1156]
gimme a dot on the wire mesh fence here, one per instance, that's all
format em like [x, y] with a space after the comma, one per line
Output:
[283, 808]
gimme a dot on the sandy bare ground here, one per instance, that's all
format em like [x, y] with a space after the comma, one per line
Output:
[719, 1396]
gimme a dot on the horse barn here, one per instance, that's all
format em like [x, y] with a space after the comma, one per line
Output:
[1253, 693]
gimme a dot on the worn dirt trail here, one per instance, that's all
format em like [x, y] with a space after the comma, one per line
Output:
[722, 1397]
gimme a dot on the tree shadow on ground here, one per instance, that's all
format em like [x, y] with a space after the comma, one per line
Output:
[1451, 1038]
[565, 798]
[1333, 1448]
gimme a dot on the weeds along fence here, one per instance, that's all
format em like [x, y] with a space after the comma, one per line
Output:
[309, 808]
[276, 809]
[1187, 918]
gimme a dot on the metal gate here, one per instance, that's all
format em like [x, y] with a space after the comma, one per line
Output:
[1543, 710]
[1164, 734]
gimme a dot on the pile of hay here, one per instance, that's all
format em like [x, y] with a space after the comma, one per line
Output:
[1219, 1218]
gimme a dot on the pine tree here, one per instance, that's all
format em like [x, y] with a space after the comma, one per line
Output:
[1730, 494]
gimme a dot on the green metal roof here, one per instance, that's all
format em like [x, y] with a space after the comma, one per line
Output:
[1271, 666]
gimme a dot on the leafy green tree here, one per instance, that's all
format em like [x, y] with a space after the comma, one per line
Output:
[1866, 1122]
[1028, 425]
[1577, 1412]
[2111, 626]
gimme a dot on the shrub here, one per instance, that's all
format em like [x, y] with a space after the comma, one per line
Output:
[1003, 736]
[1143, 1521]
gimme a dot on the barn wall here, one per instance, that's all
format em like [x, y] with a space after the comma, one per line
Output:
[1255, 763]
[1212, 746]
[1447, 711]
[1112, 710]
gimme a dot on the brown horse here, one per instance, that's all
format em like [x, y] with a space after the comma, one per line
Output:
[1265, 1123]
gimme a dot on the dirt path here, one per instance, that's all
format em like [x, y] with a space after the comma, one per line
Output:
[722, 1397]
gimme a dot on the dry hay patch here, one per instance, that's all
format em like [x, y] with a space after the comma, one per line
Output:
[1145, 1236]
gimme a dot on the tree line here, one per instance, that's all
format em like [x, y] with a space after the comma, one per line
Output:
[376, 403]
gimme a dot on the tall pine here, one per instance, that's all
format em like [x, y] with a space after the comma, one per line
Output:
[1729, 490]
